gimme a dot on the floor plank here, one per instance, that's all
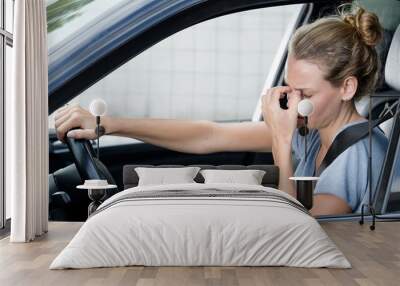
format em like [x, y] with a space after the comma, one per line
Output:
[374, 255]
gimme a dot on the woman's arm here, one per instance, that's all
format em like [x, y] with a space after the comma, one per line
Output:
[281, 150]
[191, 136]
[194, 136]
[326, 204]
[323, 204]
[283, 123]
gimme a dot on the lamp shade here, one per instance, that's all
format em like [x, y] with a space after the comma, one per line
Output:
[98, 107]
[305, 107]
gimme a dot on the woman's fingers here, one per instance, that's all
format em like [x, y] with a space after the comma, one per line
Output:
[64, 110]
[293, 99]
[82, 134]
[265, 98]
[64, 114]
[61, 112]
[281, 121]
[75, 117]
[282, 89]
[270, 99]
[61, 119]
[279, 92]
[274, 92]
[71, 122]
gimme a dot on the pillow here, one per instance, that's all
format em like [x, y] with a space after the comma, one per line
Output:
[249, 177]
[162, 176]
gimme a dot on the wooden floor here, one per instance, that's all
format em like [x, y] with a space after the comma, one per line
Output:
[374, 255]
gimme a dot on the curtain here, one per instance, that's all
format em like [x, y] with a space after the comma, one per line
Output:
[27, 123]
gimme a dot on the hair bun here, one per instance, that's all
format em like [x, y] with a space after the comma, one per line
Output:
[367, 25]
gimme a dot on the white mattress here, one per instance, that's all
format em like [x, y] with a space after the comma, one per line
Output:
[198, 231]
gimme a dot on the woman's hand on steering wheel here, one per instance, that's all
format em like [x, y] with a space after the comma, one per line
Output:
[88, 166]
[69, 117]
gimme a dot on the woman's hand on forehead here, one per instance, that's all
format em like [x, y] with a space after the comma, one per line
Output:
[283, 122]
[274, 94]
[280, 89]
[294, 97]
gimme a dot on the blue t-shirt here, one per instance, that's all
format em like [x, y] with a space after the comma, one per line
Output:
[347, 176]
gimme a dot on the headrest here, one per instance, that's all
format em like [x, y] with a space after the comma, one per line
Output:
[392, 67]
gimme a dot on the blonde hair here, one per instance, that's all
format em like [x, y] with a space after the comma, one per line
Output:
[342, 46]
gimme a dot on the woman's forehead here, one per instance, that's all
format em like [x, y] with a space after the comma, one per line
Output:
[302, 74]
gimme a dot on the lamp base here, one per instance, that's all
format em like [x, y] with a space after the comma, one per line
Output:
[97, 196]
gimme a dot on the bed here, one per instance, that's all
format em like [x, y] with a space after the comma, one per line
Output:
[201, 224]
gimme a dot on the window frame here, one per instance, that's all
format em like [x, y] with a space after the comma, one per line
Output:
[6, 39]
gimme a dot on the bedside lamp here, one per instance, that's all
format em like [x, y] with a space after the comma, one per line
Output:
[98, 107]
[304, 185]
[96, 192]
[305, 108]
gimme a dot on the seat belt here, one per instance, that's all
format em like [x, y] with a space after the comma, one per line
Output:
[350, 136]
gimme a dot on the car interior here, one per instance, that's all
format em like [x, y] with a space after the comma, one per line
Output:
[73, 162]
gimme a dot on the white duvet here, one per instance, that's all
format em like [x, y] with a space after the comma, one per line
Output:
[200, 231]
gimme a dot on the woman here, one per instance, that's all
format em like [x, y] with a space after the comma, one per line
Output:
[332, 62]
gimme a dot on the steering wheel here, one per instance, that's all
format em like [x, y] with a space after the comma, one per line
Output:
[88, 166]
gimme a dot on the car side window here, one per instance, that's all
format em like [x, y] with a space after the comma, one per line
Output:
[214, 70]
